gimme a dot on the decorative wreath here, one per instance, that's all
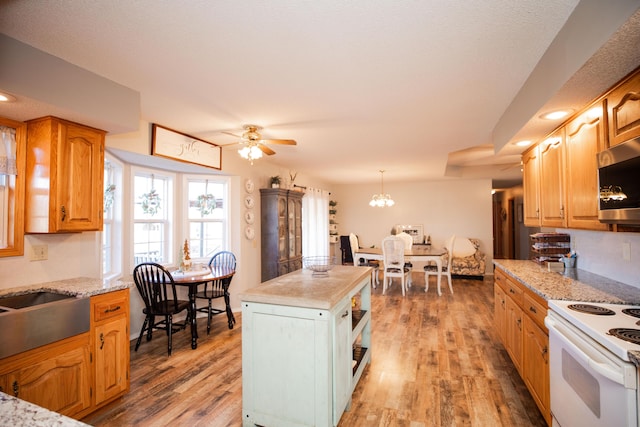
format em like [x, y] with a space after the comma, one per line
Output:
[109, 194]
[150, 202]
[206, 204]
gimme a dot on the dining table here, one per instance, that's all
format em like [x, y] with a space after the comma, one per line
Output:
[192, 279]
[417, 253]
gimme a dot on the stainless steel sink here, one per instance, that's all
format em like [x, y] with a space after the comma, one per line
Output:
[29, 300]
[35, 319]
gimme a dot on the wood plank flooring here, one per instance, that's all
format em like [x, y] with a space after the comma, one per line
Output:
[436, 362]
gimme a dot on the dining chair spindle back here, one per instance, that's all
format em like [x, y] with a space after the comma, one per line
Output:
[219, 288]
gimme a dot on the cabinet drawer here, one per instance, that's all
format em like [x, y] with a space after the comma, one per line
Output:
[112, 305]
[514, 291]
[535, 310]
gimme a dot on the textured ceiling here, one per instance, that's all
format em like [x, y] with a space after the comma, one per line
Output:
[405, 86]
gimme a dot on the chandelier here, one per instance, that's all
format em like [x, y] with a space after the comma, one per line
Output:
[381, 200]
[250, 151]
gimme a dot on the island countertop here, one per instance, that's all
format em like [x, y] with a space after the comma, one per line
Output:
[80, 287]
[573, 284]
[301, 289]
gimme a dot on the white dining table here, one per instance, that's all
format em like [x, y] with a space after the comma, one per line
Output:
[417, 253]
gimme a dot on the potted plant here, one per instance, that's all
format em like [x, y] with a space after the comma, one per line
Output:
[275, 181]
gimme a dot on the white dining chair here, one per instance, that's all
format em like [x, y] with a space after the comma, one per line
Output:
[355, 245]
[408, 244]
[393, 259]
[432, 270]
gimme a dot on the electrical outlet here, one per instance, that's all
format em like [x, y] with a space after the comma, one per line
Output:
[39, 252]
[626, 251]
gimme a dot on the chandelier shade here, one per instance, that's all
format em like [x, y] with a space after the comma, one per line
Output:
[382, 199]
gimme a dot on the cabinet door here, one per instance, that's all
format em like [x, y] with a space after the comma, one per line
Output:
[514, 334]
[499, 311]
[57, 380]
[342, 356]
[111, 359]
[585, 138]
[623, 105]
[283, 231]
[110, 332]
[531, 187]
[552, 180]
[80, 178]
[536, 366]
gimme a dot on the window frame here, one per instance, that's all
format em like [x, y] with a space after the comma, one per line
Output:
[168, 206]
[116, 222]
[186, 221]
[16, 208]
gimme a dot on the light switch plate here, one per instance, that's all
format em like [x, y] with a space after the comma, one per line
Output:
[39, 252]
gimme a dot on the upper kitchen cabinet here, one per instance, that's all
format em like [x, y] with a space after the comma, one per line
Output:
[12, 184]
[531, 186]
[65, 163]
[585, 138]
[552, 186]
[623, 107]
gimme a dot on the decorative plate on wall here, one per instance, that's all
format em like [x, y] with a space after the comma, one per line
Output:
[249, 217]
[249, 233]
[249, 186]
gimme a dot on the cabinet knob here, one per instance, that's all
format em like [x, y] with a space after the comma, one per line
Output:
[16, 388]
[111, 310]
[532, 309]
[101, 341]
[64, 213]
[346, 313]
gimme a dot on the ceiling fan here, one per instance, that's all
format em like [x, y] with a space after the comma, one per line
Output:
[253, 146]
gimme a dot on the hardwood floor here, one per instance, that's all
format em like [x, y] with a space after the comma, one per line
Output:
[436, 362]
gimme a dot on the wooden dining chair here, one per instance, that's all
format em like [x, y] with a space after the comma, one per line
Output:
[393, 259]
[219, 288]
[158, 291]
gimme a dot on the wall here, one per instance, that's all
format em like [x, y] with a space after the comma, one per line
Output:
[460, 207]
[601, 252]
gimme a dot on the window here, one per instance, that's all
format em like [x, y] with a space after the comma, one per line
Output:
[207, 213]
[152, 216]
[13, 149]
[112, 218]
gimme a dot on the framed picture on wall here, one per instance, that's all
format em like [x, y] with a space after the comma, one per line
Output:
[176, 145]
[415, 231]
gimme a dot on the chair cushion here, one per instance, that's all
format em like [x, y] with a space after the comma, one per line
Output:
[463, 248]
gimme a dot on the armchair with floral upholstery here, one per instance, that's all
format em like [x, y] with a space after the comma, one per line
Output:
[467, 259]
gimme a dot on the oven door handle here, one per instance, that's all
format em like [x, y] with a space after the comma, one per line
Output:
[601, 368]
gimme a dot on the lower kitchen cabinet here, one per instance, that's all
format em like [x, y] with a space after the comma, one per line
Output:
[520, 326]
[56, 376]
[77, 375]
[536, 365]
[110, 333]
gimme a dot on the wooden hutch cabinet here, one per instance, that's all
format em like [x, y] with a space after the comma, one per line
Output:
[281, 231]
[65, 174]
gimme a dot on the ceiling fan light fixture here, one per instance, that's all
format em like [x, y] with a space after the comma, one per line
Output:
[382, 199]
[250, 152]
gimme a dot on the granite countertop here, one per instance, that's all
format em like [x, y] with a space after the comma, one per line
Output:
[16, 412]
[80, 287]
[572, 284]
[301, 289]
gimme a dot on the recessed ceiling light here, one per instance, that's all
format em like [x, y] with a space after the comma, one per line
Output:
[556, 115]
[5, 97]
[523, 143]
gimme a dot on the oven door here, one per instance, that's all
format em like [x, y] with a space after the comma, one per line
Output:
[589, 385]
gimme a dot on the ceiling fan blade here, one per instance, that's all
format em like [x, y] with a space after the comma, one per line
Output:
[266, 150]
[279, 141]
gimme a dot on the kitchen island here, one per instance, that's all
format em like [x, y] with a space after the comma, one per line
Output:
[305, 343]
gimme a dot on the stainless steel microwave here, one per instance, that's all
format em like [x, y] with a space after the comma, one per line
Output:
[619, 183]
